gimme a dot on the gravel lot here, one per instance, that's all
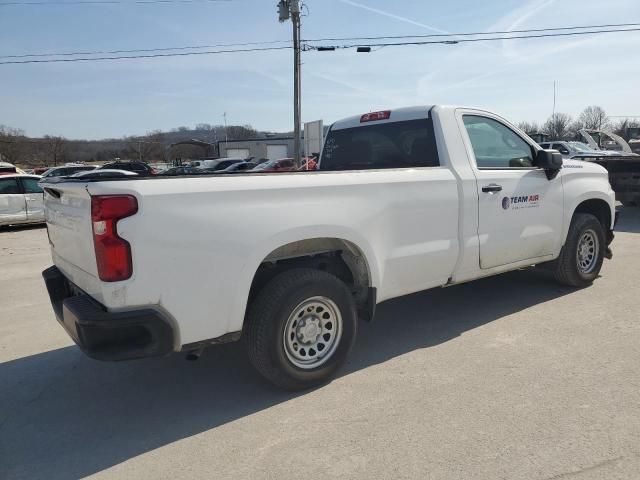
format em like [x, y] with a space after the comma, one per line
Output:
[510, 377]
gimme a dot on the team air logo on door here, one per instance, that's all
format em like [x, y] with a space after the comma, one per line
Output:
[521, 201]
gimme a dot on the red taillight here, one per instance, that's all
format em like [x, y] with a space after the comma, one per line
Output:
[113, 254]
[373, 116]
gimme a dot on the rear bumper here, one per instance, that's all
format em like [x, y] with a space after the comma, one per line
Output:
[107, 335]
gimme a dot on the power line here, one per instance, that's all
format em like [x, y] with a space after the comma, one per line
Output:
[128, 57]
[467, 34]
[306, 47]
[273, 42]
[465, 40]
[141, 50]
[104, 2]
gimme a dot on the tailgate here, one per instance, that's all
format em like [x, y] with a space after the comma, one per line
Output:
[68, 216]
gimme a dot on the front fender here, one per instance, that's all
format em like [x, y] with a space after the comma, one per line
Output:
[572, 203]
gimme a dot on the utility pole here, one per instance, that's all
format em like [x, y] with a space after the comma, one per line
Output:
[291, 9]
[226, 135]
[553, 114]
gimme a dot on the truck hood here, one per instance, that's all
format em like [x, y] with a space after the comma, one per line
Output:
[577, 167]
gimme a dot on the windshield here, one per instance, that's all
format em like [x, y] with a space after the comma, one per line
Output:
[265, 165]
[581, 147]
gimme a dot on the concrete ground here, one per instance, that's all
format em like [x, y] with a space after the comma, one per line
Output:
[510, 377]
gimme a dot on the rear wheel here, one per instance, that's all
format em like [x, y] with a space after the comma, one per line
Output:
[581, 257]
[300, 328]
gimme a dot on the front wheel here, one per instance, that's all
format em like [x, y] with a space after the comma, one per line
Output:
[581, 257]
[300, 328]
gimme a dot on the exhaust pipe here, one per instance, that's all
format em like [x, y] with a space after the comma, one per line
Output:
[194, 355]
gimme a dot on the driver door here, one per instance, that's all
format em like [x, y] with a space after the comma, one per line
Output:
[520, 211]
[12, 203]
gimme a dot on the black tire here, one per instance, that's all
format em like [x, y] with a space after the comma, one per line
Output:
[567, 267]
[269, 313]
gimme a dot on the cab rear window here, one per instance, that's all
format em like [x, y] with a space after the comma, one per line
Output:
[384, 145]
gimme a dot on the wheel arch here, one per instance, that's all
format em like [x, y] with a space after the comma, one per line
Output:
[342, 250]
[349, 253]
[347, 258]
[596, 205]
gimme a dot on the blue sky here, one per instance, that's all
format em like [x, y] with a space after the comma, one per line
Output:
[111, 99]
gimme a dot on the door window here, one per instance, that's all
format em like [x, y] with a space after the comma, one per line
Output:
[495, 145]
[31, 185]
[9, 186]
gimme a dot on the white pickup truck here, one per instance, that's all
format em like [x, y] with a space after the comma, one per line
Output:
[404, 200]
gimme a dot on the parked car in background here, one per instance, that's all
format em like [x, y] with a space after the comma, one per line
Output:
[160, 167]
[141, 168]
[578, 149]
[310, 163]
[219, 163]
[7, 169]
[105, 172]
[623, 167]
[238, 167]
[282, 165]
[21, 200]
[182, 170]
[36, 171]
[67, 170]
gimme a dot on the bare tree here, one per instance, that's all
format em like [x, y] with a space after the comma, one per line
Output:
[147, 148]
[13, 144]
[621, 127]
[594, 118]
[55, 149]
[528, 127]
[241, 132]
[558, 126]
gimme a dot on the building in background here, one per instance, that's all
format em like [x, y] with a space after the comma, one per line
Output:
[272, 148]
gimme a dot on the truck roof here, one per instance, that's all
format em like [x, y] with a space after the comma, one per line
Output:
[396, 115]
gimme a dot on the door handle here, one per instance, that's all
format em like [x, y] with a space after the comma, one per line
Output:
[491, 188]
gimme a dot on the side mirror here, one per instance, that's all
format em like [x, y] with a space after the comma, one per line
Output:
[550, 161]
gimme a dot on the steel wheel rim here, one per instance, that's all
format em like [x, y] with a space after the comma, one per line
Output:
[312, 332]
[587, 251]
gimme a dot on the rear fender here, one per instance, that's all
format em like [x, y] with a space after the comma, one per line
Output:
[258, 256]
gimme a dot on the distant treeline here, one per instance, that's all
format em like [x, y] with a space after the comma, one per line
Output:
[155, 146]
[562, 126]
